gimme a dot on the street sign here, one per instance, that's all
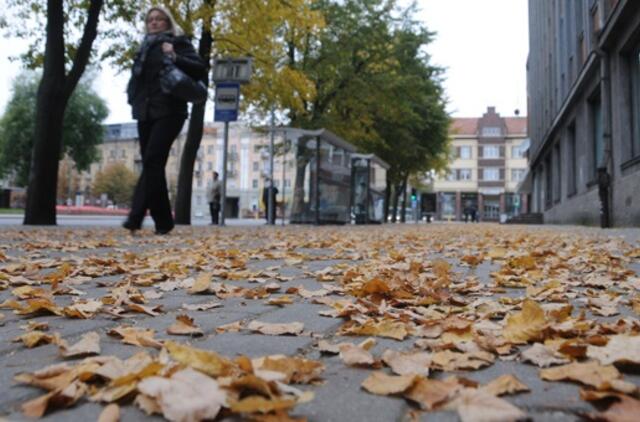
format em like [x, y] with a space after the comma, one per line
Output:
[227, 100]
[236, 69]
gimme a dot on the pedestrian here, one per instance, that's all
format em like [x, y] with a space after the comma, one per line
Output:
[213, 196]
[160, 116]
[474, 214]
[270, 214]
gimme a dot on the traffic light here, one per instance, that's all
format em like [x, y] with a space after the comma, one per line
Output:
[414, 194]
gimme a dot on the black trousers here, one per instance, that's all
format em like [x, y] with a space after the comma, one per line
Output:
[151, 193]
[214, 209]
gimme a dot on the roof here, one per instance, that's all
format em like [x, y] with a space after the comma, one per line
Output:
[469, 125]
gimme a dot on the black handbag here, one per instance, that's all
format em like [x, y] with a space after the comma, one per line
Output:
[175, 82]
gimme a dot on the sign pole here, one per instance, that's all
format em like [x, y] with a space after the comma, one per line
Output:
[270, 199]
[225, 147]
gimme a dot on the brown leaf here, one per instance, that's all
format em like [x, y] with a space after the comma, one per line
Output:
[588, 373]
[296, 370]
[542, 356]
[149, 310]
[111, 413]
[407, 363]
[447, 360]
[280, 301]
[89, 344]
[480, 406]
[35, 338]
[293, 328]
[525, 325]
[626, 409]
[39, 306]
[386, 328]
[187, 396]
[621, 349]
[201, 306]
[136, 336]
[353, 355]
[253, 404]
[83, 309]
[184, 326]
[430, 394]
[383, 384]
[505, 384]
[203, 360]
[201, 284]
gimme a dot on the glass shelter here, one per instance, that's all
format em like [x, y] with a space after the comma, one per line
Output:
[368, 187]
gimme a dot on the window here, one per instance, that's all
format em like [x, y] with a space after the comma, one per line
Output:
[209, 165]
[209, 149]
[491, 174]
[451, 176]
[448, 203]
[491, 132]
[254, 183]
[557, 172]
[123, 154]
[464, 174]
[518, 151]
[256, 166]
[635, 101]
[112, 153]
[597, 135]
[517, 175]
[287, 183]
[548, 182]
[572, 160]
[465, 152]
[491, 151]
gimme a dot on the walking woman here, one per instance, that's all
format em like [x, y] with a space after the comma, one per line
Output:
[160, 116]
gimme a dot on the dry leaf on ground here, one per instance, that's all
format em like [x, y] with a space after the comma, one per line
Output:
[111, 413]
[184, 326]
[383, 384]
[525, 325]
[353, 355]
[187, 396]
[542, 356]
[89, 344]
[407, 363]
[480, 406]
[588, 373]
[505, 384]
[620, 349]
[293, 328]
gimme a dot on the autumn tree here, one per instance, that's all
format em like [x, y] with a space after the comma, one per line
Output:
[63, 35]
[82, 129]
[117, 181]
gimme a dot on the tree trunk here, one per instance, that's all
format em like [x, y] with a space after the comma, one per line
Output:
[194, 138]
[394, 215]
[387, 198]
[403, 216]
[54, 92]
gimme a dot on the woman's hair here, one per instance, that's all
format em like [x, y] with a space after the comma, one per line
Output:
[173, 27]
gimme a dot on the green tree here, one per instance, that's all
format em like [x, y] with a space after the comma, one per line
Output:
[63, 35]
[117, 181]
[82, 130]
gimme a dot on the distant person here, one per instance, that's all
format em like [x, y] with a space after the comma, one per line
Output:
[160, 116]
[474, 213]
[213, 197]
[270, 215]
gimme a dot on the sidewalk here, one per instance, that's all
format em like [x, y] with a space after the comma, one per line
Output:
[317, 276]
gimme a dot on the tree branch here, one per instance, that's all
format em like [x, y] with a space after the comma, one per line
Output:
[84, 49]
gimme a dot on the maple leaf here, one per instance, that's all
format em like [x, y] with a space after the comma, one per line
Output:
[184, 326]
[525, 325]
[89, 344]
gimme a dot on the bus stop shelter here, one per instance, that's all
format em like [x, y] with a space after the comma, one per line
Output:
[368, 187]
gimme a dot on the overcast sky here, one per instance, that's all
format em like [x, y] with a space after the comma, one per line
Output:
[483, 45]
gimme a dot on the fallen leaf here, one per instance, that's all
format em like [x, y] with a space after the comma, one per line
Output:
[253, 404]
[89, 344]
[201, 306]
[136, 336]
[111, 413]
[187, 396]
[480, 406]
[353, 355]
[620, 349]
[83, 309]
[383, 384]
[407, 363]
[201, 284]
[542, 356]
[202, 360]
[430, 393]
[293, 328]
[295, 370]
[588, 373]
[184, 326]
[280, 301]
[626, 409]
[505, 384]
[35, 338]
[386, 328]
[448, 360]
[525, 325]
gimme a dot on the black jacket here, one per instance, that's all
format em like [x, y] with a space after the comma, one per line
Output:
[147, 100]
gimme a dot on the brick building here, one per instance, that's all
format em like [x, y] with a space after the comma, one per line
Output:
[488, 162]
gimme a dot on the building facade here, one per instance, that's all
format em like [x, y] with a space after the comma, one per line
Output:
[488, 162]
[247, 167]
[583, 83]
